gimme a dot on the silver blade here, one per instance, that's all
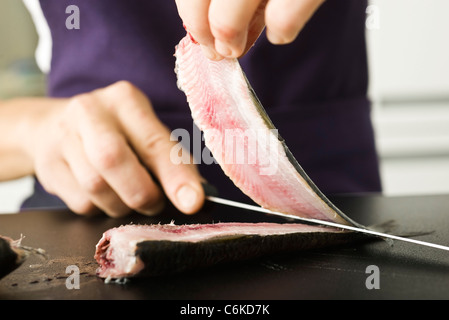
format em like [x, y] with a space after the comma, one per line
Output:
[323, 222]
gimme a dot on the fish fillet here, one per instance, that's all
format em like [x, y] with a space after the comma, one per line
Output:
[151, 250]
[246, 145]
[242, 138]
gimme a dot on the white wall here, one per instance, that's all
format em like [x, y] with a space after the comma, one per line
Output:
[409, 68]
[409, 84]
[410, 49]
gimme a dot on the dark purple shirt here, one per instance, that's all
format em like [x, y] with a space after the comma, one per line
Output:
[314, 90]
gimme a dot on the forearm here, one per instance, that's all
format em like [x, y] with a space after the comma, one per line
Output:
[19, 121]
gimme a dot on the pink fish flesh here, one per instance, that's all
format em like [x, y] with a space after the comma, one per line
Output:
[225, 108]
[242, 138]
[149, 250]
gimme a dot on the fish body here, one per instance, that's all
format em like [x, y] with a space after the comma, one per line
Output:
[242, 138]
[246, 145]
[152, 250]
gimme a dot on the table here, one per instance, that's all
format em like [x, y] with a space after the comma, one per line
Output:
[369, 270]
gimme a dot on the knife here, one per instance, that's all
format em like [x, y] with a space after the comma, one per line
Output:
[321, 222]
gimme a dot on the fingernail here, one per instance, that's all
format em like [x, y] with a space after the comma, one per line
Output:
[154, 210]
[275, 38]
[187, 197]
[223, 49]
[211, 54]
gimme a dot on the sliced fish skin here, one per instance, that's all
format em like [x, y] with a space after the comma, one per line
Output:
[222, 101]
[152, 250]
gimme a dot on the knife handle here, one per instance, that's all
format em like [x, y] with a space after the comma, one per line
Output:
[209, 189]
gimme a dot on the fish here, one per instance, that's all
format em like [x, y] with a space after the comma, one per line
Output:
[11, 255]
[245, 143]
[243, 139]
[149, 250]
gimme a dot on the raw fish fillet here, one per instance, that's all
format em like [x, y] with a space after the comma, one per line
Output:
[243, 140]
[245, 143]
[151, 250]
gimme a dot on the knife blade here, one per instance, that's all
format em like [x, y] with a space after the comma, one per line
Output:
[323, 222]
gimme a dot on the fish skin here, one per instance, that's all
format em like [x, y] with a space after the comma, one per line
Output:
[153, 250]
[167, 257]
[221, 98]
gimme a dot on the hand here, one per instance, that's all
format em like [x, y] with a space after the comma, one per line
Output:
[94, 151]
[229, 28]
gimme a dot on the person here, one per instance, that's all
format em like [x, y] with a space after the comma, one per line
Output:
[100, 139]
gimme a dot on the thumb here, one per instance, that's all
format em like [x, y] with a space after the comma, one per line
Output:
[151, 141]
[179, 177]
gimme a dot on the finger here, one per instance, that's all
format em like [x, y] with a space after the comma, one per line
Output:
[194, 14]
[96, 188]
[256, 26]
[286, 18]
[151, 141]
[229, 22]
[66, 188]
[110, 154]
[181, 181]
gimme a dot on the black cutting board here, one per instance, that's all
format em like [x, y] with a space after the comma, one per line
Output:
[406, 271]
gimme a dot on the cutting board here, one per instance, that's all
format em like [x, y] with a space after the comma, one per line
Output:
[405, 271]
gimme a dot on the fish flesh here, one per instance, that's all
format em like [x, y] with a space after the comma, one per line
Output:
[146, 250]
[159, 249]
[245, 143]
[242, 138]
[11, 255]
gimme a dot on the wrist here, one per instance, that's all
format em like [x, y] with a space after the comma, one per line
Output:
[22, 123]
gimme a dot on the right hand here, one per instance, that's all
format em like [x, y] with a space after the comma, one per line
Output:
[95, 152]
[229, 28]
